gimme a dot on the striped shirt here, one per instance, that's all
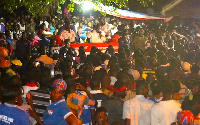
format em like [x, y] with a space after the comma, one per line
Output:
[41, 99]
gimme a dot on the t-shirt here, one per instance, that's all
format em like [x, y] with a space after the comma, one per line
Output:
[13, 115]
[138, 110]
[165, 112]
[56, 113]
[68, 35]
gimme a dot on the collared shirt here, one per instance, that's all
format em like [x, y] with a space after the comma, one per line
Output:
[138, 110]
[68, 35]
[165, 112]
[94, 37]
[13, 115]
[56, 113]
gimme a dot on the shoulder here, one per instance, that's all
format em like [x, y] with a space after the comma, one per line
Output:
[157, 106]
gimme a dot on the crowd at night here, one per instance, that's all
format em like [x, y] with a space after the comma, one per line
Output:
[152, 78]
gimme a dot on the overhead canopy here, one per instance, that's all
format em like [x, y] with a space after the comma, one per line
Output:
[186, 9]
[125, 13]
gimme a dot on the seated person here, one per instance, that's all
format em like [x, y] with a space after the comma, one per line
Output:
[94, 36]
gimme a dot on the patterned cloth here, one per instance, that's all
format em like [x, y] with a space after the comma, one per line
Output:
[68, 35]
[185, 117]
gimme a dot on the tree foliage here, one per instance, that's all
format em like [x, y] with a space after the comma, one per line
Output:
[38, 7]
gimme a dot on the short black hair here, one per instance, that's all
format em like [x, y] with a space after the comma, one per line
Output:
[155, 87]
[140, 84]
[95, 82]
[101, 109]
[167, 86]
[10, 93]
[195, 68]
[177, 86]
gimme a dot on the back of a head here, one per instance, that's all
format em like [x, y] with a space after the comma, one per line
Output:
[43, 50]
[140, 86]
[155, 87]
[167, 87]
[123, 78]
[101, 109]
[114, 69]
[10, 93]
[69, 79]
[87, 72]
[15, 81]
[96, 61]
[113, 60]
[95, 83]
[195, 68]
[177, 86]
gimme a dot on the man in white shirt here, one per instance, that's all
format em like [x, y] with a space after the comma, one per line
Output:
[165, 112]
[67, 33]
[137, 111]
[94, 35]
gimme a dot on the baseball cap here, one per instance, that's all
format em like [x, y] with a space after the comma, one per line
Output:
[60, 84]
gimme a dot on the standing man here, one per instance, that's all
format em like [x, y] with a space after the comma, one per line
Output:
[58, 113]
[140, 40]
[22, 47]
[137, 111]
[165, 112]
[67, 33]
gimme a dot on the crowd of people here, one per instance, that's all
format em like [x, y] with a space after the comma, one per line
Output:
[153, 79]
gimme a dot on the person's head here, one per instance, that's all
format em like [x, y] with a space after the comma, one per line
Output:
[15, 81]
[195, 69]
[67, 42]
[12, 95]
[141, 32]
[177, 86]
[24, 35]
[95, 83]
[155, 87]
[142, 88]
[89, 24]
[111, 50]
[87, 72]
[71, 83]
[195, 87]
[105, 81]
[53, 20]
[101, 116]
[150, 77]
[167, 88]
[31, 20]
[66, 66]
[113, 60]
[58, 90]
[114, 69]
[44, 26]
[43, 50]
[67, 25]
[93, 50]
[81, 50]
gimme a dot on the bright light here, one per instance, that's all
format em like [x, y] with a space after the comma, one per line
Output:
[87, 5]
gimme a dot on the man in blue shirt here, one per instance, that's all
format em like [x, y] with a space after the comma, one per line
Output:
[58, 113]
